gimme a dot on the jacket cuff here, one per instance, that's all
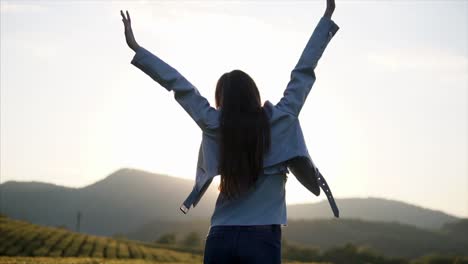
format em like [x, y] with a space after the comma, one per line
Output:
[331, 25]
[140, 52]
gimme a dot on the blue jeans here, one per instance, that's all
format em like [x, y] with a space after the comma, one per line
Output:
[243, 244]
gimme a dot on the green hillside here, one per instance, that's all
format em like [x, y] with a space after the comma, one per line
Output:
[26, 243]
[54, 260]
[108, 206]
[22, 239]
[390, 239]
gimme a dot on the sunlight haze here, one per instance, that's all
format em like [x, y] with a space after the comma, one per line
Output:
[387, 116]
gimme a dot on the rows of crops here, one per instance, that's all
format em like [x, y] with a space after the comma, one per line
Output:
[73, 260]
[20, 238]
[50, 260]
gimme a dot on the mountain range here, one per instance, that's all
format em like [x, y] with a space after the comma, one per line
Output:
[130, 198]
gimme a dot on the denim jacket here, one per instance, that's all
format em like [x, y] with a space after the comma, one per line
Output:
[288, 145]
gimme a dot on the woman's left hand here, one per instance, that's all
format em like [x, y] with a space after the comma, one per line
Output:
[129, 37]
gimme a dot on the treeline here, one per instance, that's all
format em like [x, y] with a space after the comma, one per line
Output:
[352, 254]
[346, 254]
[390, 238]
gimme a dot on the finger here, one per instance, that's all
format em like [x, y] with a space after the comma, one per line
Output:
[128, 15]
[123, 16]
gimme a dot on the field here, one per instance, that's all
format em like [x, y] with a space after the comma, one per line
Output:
[42, 260]
[71, 260]
[24, 243]
[22, 239]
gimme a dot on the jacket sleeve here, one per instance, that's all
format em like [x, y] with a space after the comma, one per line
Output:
[303, 75]
[186, 94]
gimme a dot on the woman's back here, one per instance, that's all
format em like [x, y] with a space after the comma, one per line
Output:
[263, 204]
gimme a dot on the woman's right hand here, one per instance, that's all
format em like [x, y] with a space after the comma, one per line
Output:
[129, 37]
[330, 8]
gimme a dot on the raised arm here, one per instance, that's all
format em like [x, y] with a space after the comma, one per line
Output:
[185, 93]
[303, 75]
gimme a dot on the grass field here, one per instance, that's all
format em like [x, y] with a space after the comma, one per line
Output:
[24, 243]
[51, 260]
[72, 260]
[22, 239]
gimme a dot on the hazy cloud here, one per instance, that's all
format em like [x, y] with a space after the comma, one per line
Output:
[418, 59]
[19, 7]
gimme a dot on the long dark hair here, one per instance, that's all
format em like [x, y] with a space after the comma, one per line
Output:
[244, 132]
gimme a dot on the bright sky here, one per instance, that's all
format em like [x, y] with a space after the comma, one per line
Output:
[387, 116]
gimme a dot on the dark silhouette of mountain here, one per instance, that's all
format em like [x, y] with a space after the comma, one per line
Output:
[391, 239]
[119, 203]
[130, 198]
[375, 209]
[457, 230]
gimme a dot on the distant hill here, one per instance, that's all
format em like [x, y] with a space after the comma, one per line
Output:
[457, 230]
[129, 198]
[124, 200]
[375, 209]
[390, 239]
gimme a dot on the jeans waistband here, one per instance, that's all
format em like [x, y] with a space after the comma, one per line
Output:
[272, 227]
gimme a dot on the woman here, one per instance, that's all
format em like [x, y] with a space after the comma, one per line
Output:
[251, 146]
